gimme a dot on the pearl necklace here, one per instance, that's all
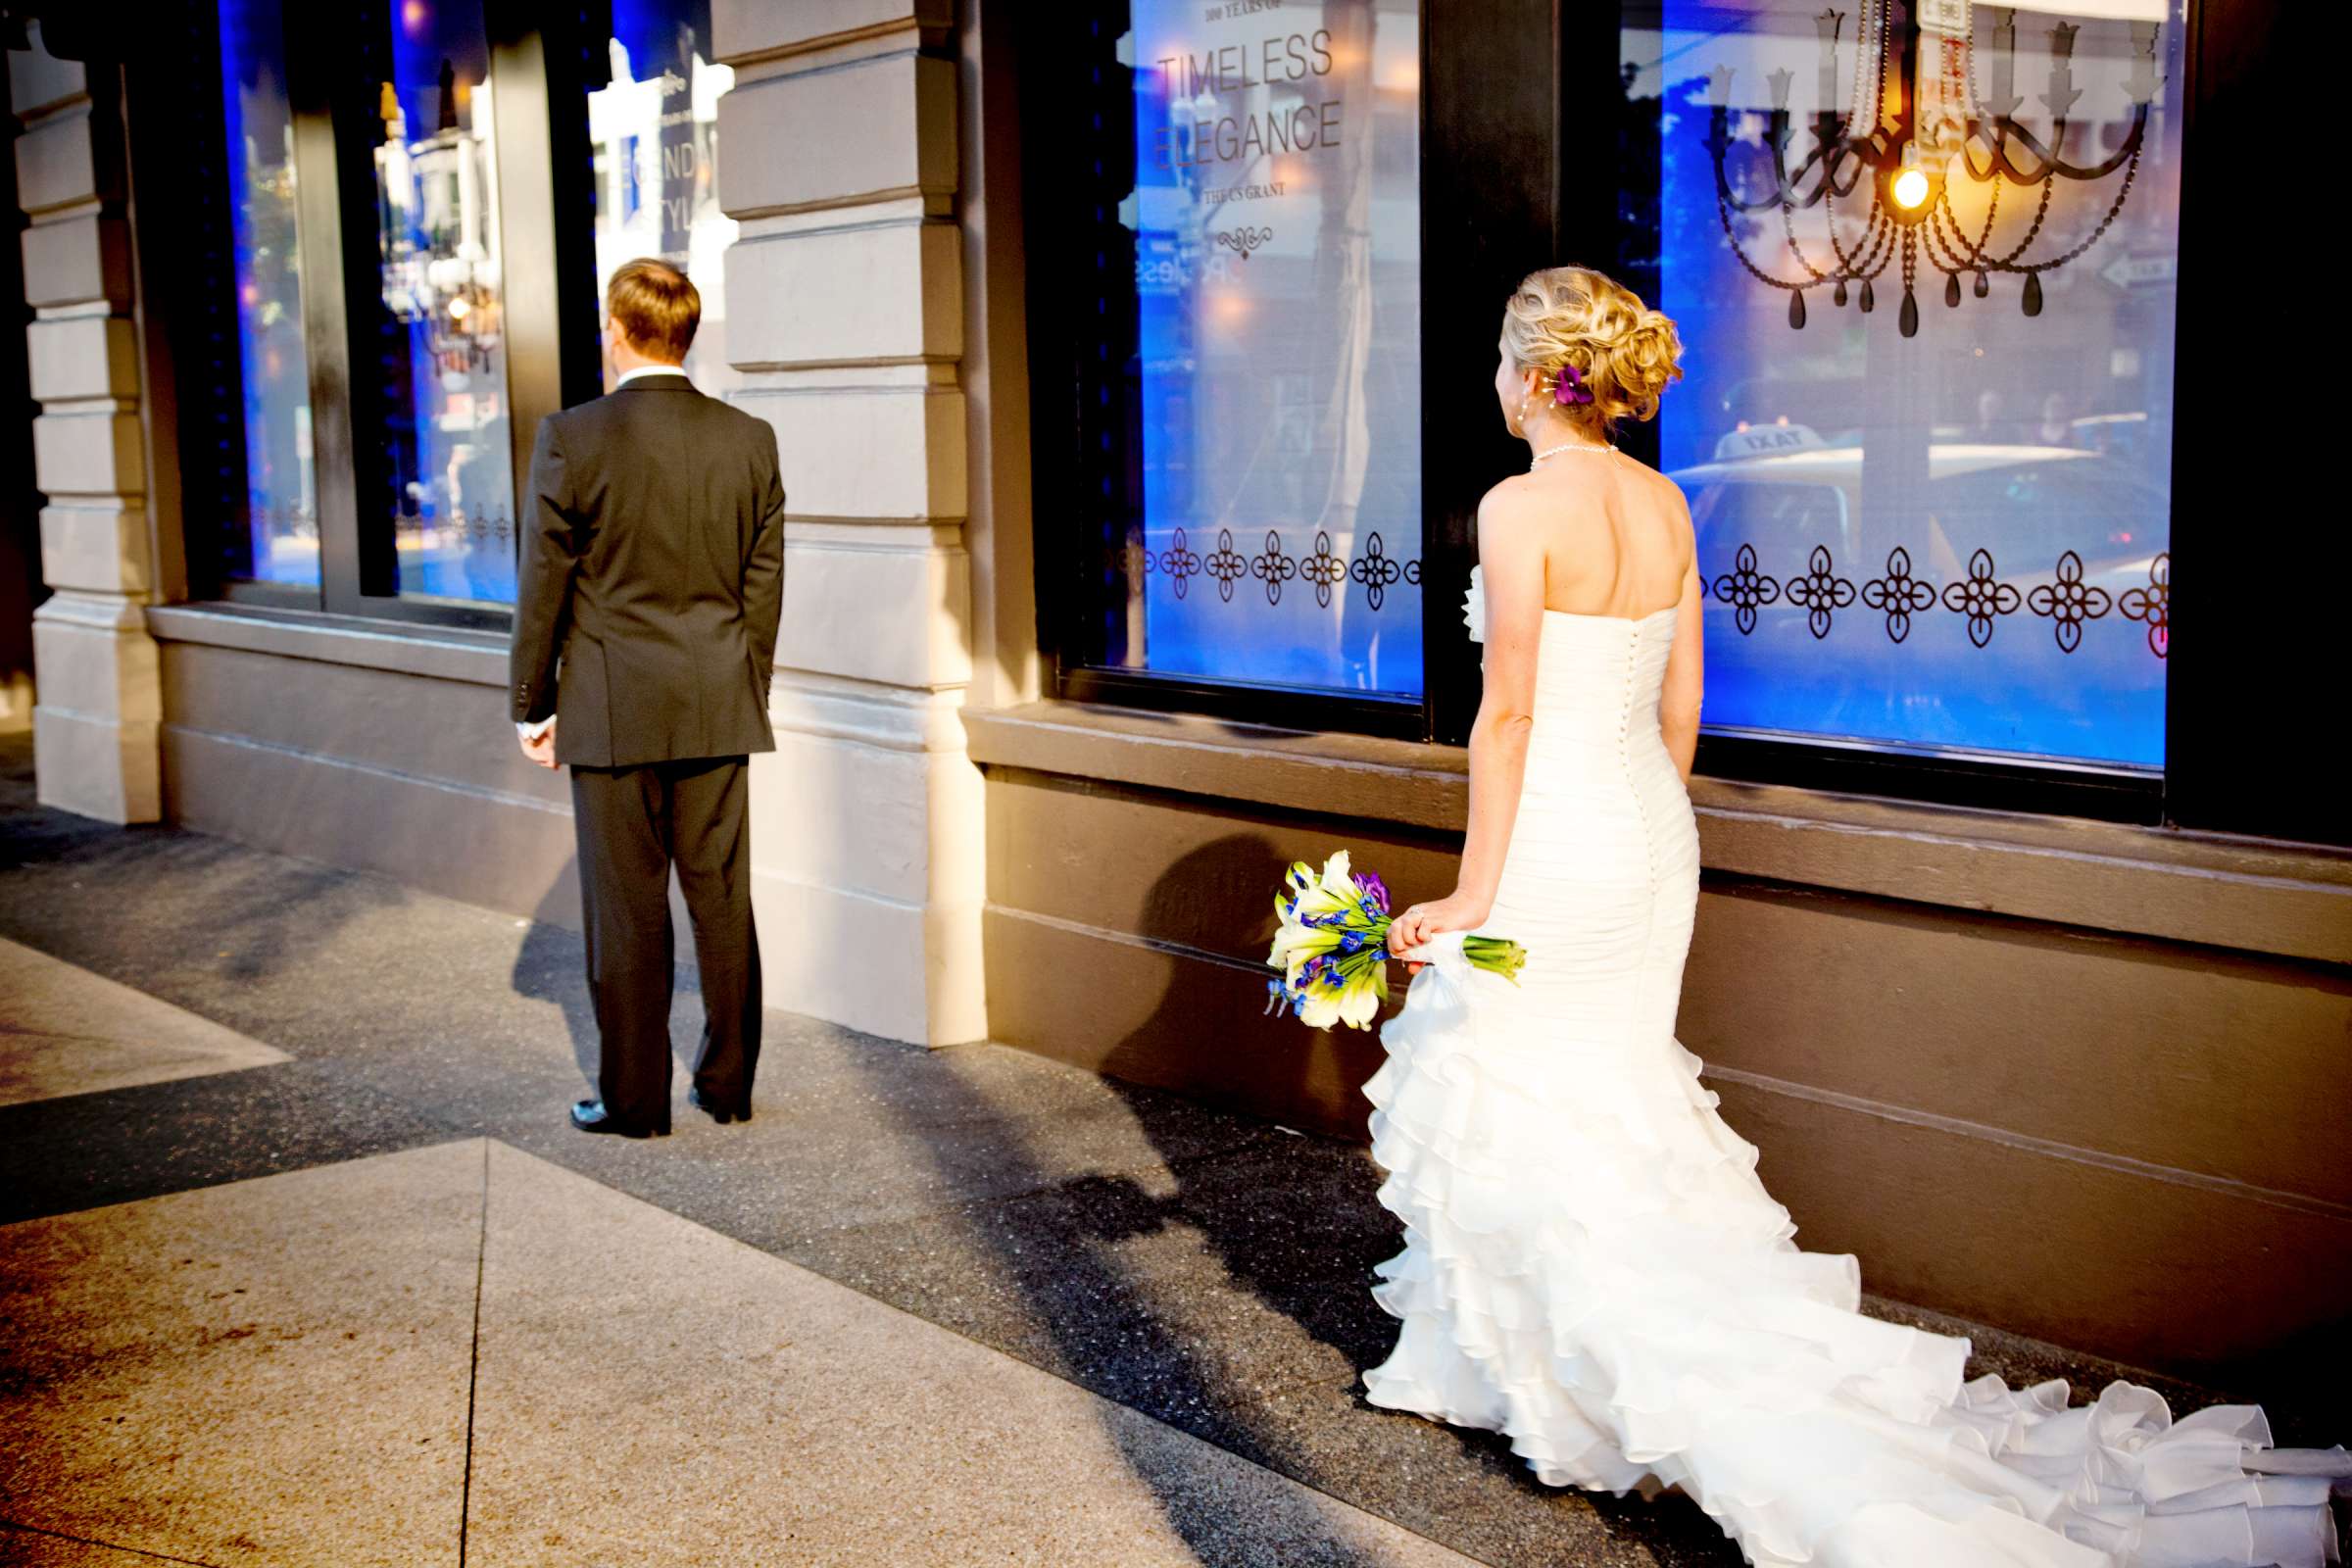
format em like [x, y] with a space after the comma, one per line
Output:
[1566, 445]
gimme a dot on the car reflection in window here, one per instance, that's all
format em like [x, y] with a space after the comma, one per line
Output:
[2024, 506]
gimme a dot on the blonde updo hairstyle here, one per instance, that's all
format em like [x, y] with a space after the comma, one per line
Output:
[1627, 353]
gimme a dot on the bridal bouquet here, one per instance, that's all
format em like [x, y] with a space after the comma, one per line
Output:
[1333, 947]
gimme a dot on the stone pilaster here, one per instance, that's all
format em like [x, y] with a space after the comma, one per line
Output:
[845, 303]
[94, 727]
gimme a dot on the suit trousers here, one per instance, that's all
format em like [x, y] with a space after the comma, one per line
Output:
[634, 823]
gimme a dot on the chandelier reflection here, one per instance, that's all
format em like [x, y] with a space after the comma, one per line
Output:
[1915, 128]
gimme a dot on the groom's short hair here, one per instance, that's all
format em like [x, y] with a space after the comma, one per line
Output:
[656, 306]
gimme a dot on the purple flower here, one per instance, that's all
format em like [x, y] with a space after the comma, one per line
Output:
[1569, 386]
[1373, 886]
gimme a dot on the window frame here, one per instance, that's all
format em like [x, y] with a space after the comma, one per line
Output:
[1068, 595]
[544, 217]
[1488, 202]
[1593, 210]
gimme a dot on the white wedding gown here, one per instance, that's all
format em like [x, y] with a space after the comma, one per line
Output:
[1592, 1266]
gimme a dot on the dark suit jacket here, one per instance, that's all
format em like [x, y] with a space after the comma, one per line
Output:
[652, 569]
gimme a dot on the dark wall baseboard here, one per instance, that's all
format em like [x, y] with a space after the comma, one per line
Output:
[2223, 1287]
[502, 852]
[412, 776]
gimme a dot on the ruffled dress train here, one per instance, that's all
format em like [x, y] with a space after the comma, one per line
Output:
[1593, 1267]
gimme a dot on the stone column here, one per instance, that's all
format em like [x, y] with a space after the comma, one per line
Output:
[837, 154]
[94, 727]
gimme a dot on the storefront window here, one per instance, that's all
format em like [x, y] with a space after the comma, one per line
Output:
[1256, 425]
[654, 127]
[280, 542]
[419, 394]
[444, 394]
[1936, 515]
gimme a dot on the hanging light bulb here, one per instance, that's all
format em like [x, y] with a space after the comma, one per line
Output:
[1905, 136]
[1910, 188]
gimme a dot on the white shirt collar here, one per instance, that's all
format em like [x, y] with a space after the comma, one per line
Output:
[626, 376]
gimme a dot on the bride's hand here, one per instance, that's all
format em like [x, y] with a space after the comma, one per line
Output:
[1456, 912]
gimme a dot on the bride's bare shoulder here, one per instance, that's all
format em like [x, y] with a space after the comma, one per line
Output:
[1515, 514]
[1531, 495]
[1534, 503]
[1659, 486]
[1513, 493]
[1658, 496]
[1538, 500]
[1512, 530]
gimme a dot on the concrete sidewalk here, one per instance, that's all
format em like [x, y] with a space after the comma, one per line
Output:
[464, 1354]
[299, 1264]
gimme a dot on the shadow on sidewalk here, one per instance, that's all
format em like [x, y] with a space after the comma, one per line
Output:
[244, 919]
[552, 966]
[1333, 1208]
[1098, 1315]
[1296, 1224]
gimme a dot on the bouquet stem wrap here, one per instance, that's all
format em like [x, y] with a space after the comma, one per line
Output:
[1333, 946]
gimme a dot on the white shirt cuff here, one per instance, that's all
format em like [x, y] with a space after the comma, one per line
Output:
[532, 732]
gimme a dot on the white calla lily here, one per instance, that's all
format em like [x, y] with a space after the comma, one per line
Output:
[1319, 1010]
[1358, 1006]
[1336, 880]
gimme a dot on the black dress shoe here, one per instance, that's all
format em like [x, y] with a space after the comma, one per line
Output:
[739, 1111]
[591, 1116]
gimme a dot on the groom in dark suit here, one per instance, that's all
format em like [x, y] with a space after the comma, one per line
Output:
[653, 574]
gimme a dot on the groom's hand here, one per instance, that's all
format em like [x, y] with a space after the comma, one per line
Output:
[542, 749]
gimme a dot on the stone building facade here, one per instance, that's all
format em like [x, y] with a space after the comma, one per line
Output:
[2057, 1068]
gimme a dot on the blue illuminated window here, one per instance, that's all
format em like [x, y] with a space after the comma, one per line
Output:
[280, 542]
[444, 395]
[1953, 538]
[1258, 438]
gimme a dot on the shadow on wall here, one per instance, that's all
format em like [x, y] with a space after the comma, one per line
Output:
[1206, 922]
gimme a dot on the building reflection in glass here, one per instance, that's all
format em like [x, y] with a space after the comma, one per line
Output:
[282, 503]
[655, 133]
[445, 368]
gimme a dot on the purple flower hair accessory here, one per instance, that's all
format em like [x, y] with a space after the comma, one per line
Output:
[1569, 386]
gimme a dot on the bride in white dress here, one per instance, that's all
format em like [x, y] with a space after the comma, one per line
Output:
[1590, 1265]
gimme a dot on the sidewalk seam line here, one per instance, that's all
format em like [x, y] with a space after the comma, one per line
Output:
[102, 1545]
[473, 1364]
